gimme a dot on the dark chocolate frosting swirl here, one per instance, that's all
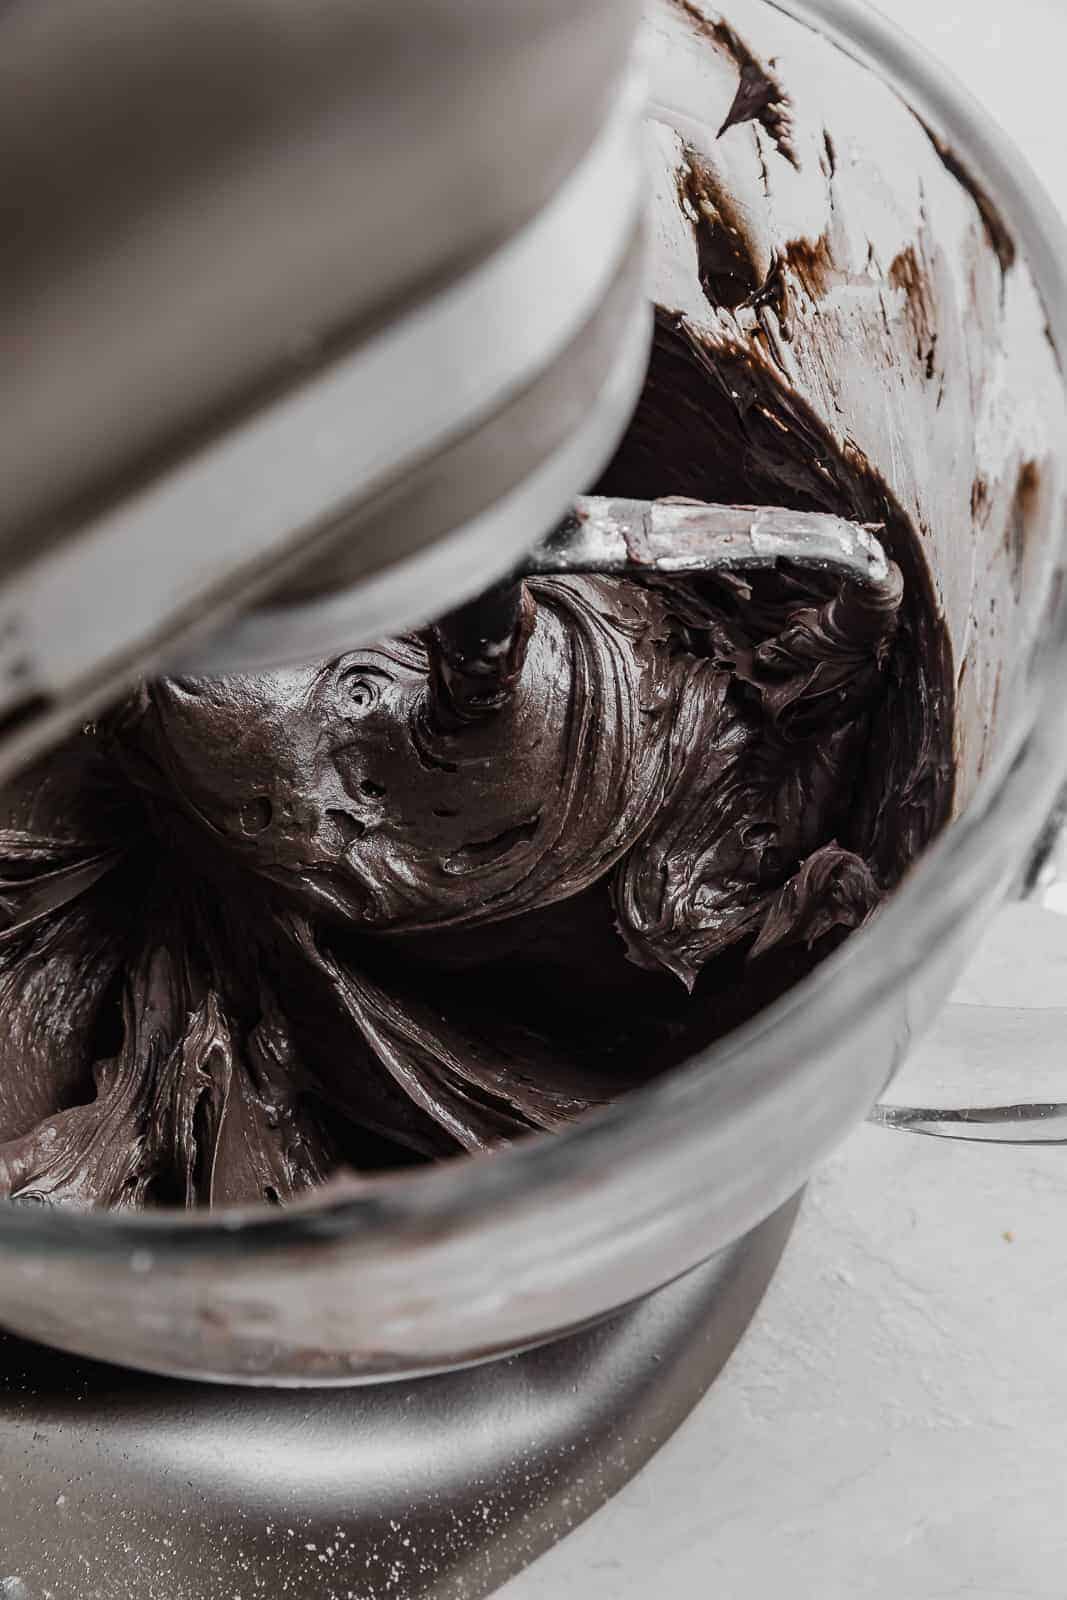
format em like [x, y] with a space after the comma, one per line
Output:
[259, 942]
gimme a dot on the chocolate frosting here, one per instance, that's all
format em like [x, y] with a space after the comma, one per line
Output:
[381, 910]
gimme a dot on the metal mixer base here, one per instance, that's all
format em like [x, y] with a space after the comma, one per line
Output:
[118, 1484]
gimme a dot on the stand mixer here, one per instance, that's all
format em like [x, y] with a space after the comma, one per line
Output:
[416, 344]
[308, 352]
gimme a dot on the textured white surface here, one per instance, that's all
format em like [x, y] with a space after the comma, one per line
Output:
[894, 1427]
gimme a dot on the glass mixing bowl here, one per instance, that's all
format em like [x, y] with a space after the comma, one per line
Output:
[485, 1255]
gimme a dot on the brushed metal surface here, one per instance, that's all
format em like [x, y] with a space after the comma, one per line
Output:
[213, 196]
[114, 1484]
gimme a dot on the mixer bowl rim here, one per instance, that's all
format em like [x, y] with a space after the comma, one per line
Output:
[1012, 800]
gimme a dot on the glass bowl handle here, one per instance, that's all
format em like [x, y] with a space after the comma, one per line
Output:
[1013, 1029]
[1027, 1122]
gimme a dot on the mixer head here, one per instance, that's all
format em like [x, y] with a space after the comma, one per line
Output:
[320, 320]
[320, 316]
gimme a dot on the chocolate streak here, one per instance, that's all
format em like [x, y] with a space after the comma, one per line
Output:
[759, 97]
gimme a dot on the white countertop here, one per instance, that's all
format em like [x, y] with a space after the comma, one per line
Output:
[894, 1425]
